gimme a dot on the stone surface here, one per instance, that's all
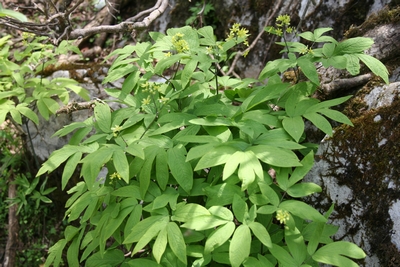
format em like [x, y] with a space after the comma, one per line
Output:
[358, 169]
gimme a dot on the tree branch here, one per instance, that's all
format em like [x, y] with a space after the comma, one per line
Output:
[58, 26]
[253, 44]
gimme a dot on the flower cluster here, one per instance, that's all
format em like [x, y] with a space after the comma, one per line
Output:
[116, 129]
[150, 87]
[282, 216]
[115, 175]
[153, 89]
[179, 43]
[282, 25]
[237, 33]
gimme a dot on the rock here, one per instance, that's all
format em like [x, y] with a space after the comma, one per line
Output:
[358, 169]
[41, 141]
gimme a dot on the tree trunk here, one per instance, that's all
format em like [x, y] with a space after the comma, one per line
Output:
[13, 226]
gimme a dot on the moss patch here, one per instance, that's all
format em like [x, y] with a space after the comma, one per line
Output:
[371, 150]
[384, 16]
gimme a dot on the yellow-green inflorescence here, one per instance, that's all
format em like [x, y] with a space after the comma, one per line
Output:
[282, 26]
[116, 129]
[180, 45]
[238, 34]
[153, 89]
[115, 175]
[282, 216]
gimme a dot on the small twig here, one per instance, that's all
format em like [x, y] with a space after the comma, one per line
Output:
[253, 44]
[74, 106]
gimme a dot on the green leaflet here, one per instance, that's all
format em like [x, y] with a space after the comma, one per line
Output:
[203, 222]
[185, 212]
[309, 70]
[302, 210]
[336, 253]
[150, 233]
[27, 112]
[377, 67]
[55, 253]
[219, 236]
[141, 263]
[160, 245]
[208, 34]
[69, 168]
[249, 167]
[320, 122]
[294, 126]
[140, 229]
[353, 45]
[282, 255]
[275, 156]
[215, 157]
[92, 164]
[102, 114]
[239, 248]
[222, 194]
[176, 241]
[296, 245]
[261, 233]
[121, 163]
[180, 169]
[240, 208]
[111, 257]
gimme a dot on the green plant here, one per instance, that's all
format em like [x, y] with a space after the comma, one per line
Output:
[13, 14]
[22, 87]
[191, 158]
[201, 10]
[32, 218]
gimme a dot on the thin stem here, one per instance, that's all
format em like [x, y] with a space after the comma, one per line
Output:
[216, 77]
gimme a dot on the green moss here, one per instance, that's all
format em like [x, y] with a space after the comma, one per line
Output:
[372, 152]
[384, 16]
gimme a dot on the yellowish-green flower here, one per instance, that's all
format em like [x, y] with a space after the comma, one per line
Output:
[145, 86]
[146, 101]
[235, 27]
[168, 54]
[243, 33]
[156, 87]
[209, 50]
[116, 129]
[163, 99]
[115, 175]
[283, 20]
[231, 36]
[290, 29]
[282, 216]
[304, 50]
[180, 45]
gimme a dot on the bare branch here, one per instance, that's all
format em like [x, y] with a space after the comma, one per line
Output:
[147, 11]
[253, 44]
[58, 26]
[74, 106]
[125, 26]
